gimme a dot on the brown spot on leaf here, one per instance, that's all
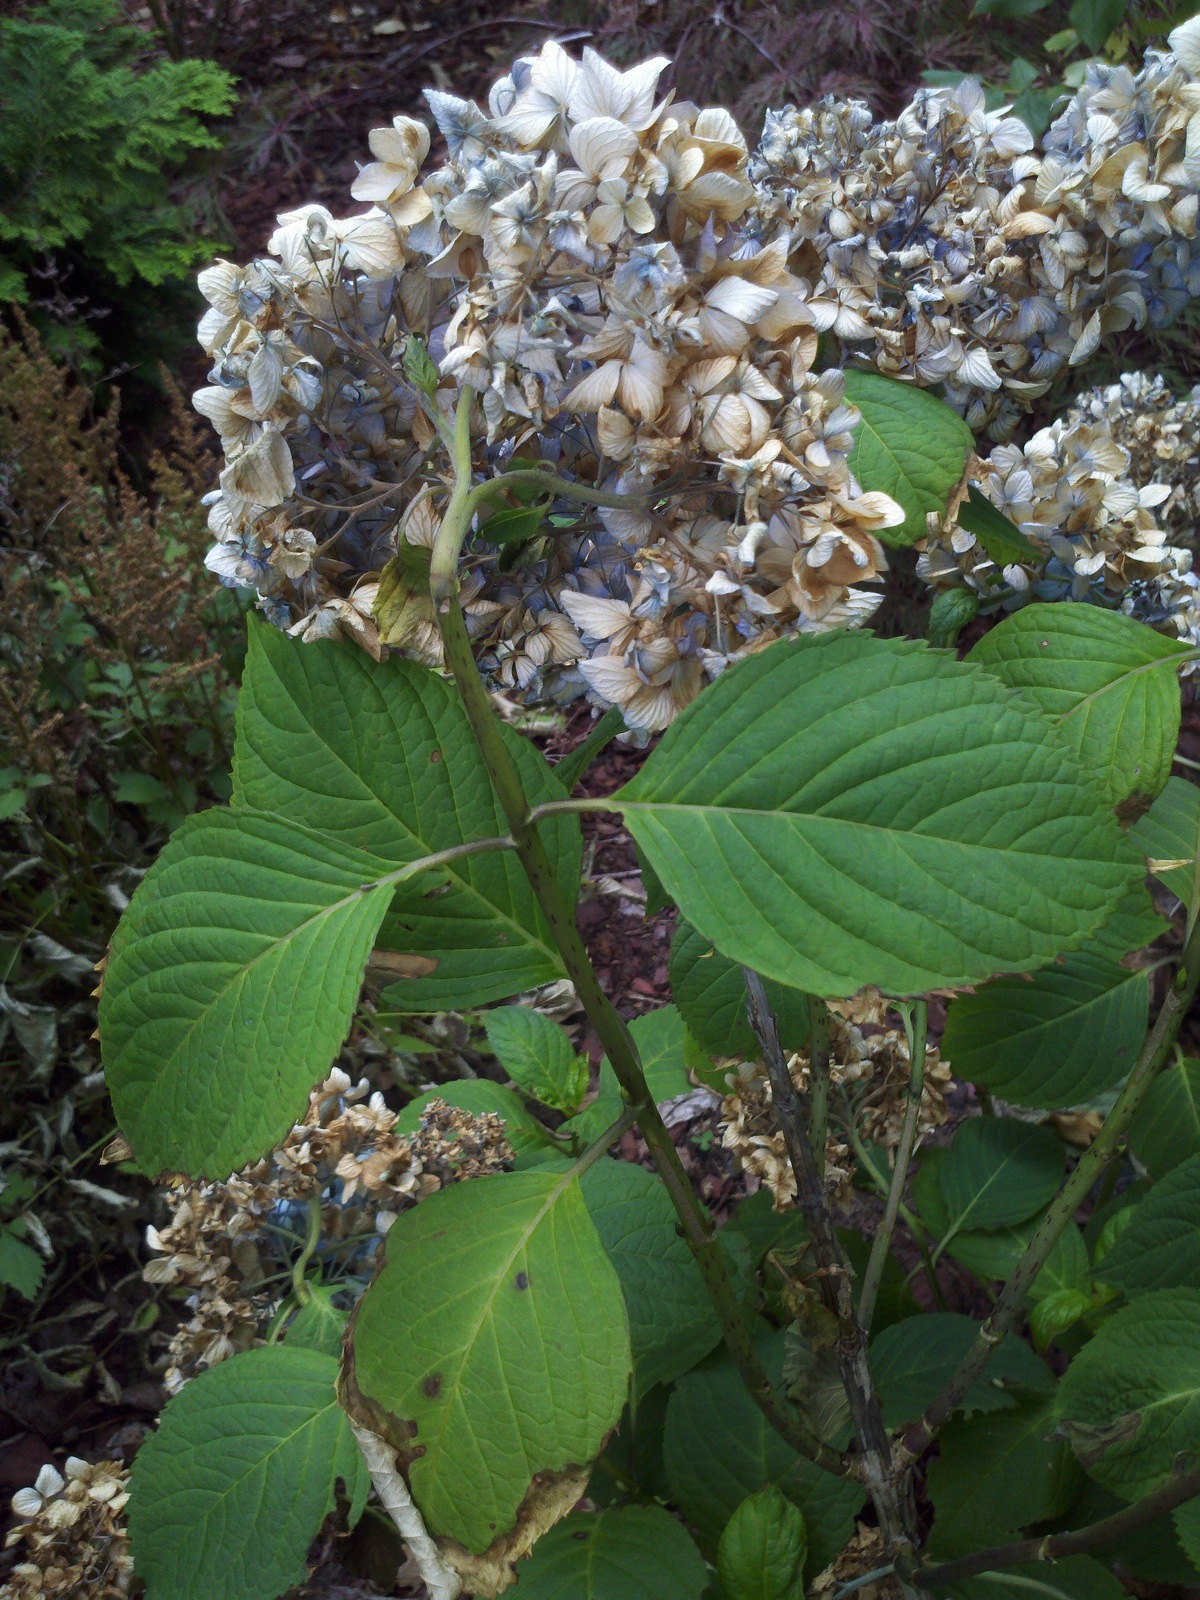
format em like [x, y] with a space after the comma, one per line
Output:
[401, 964]
[1132, 808]
[431, 1386]
[522, 1280]
[1091, 1441]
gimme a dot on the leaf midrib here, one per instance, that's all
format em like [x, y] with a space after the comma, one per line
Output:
[1172, 661]
[310, 1422]
[979, 1190]
[694, 808]
[902, 473]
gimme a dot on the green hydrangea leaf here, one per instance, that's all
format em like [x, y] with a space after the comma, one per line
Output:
[991, 1253]
[1166, 1128]
[710, 992]
[634, 1553]
[496, 1335]
[230, 1491]
[1133, 925]
[231, 984]
[790, 818]
[513, 525]
[764, 1228]
[913, 1360]
[910, 445]
[538, 1056]
[718, 1449]
[1056, 1040]
[318, 1325]
[1056, 1313]
[949, 615]
[381, 755]
[1130, 1399]
[1109, 682]
[419, 367]
[996, 1475]
[1094, 20]
[761, 1553]
[999, 536]
[21, 1266]
[1066, 1267]
[998, 1171]
[671, 1320]
[1160, 1246]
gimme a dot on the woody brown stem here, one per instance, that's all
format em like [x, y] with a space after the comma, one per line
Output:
[793, 1111]
[1181, 1487]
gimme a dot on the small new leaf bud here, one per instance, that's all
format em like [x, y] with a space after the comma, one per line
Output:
[418, 366]
[949, 615]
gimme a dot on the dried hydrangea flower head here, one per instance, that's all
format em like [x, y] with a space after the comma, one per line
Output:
[1162, 437]
[453, 1145]
[585, 259]
[221, 1236]
[73, 1534]
[873, 1068]
[637, 301]
[1089, 496]
[1127, 136]
[943, 247]
[917, 240]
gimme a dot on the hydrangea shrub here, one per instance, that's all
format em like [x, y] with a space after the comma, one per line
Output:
[608, 404]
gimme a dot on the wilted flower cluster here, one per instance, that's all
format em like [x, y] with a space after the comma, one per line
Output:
[1093, 529]
[588, 261]
[220, 1238]
[944, 248]
[1162, 437]
[637, 302]
[1126, 147]
[73, 1534]
[872, 1067]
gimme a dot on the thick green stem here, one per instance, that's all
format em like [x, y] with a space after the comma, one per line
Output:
[793, 1111]
[547, 481]
[914, 1224]
[1070, 1197]
[916, 1026]
[610, 1027]
[456, 520]
[300, 1286]
[467, 499]
[819, 1059]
